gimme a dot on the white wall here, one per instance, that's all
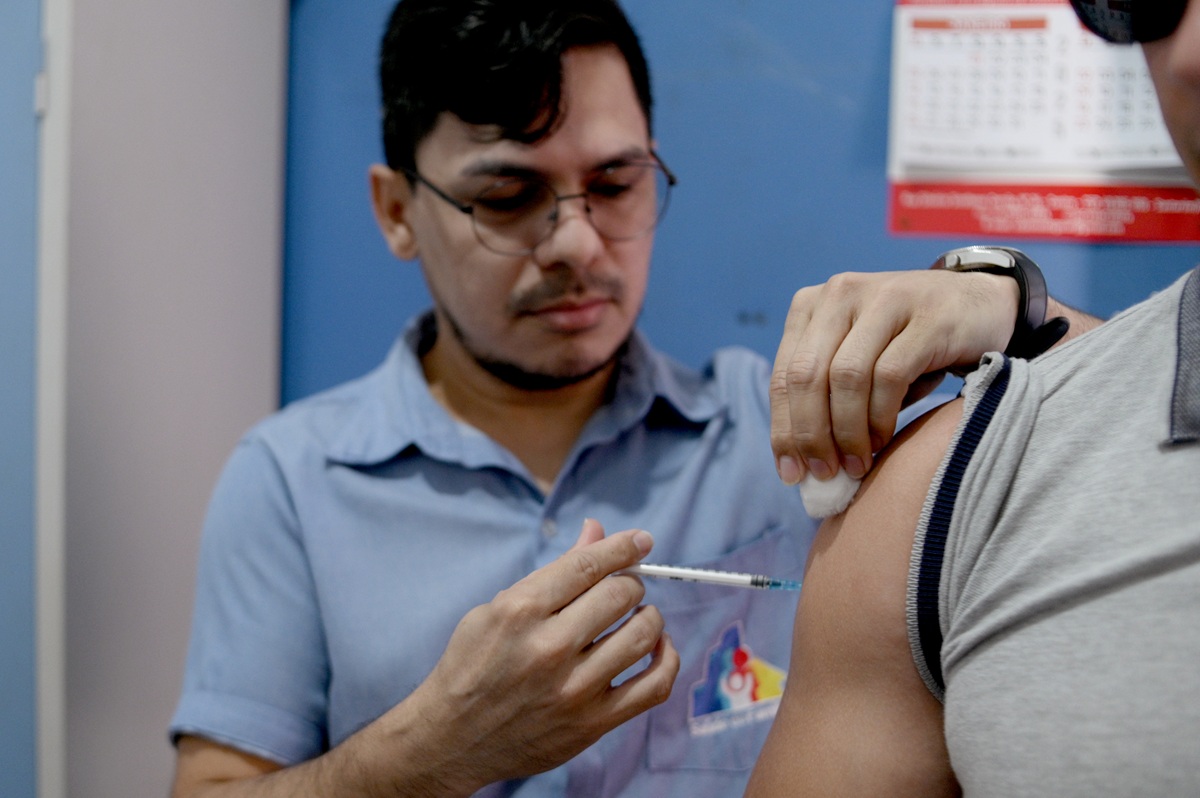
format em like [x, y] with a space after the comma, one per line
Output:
[173, 218]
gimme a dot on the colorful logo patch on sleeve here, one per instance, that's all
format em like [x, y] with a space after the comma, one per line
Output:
[737, 688]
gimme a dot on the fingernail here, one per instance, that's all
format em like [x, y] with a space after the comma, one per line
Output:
[644, 541]
[789, 470]
[854, 466]
[820, 469]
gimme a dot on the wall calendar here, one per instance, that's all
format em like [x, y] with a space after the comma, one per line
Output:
[1010, 119]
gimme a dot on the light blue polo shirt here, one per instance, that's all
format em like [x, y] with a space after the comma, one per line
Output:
[351, 531]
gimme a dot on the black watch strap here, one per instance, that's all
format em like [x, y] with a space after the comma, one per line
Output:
[1032, 333]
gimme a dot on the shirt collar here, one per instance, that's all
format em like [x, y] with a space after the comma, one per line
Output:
[395, 409]
[1185, 401]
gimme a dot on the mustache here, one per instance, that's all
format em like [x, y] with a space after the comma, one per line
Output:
[566, 284]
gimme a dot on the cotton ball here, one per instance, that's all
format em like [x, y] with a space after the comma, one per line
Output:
[830, 497]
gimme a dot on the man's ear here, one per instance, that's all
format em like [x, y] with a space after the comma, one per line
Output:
[390, 198]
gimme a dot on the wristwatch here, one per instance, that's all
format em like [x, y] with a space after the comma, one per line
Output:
[1032, 333]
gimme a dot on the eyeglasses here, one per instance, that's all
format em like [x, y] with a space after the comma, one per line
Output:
[1129, 21]
[513, 216]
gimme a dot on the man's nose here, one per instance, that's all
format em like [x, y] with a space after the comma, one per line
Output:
[556, 215]
[573, 239]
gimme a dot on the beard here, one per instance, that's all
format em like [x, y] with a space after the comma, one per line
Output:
[561, 284]
[526, 380]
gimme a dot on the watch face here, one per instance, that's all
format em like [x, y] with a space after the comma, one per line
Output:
[967, 259]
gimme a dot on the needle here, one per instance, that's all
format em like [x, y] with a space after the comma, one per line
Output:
[731, 579]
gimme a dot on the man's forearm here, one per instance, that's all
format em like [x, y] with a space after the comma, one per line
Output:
[390, 757]
[1080, 322]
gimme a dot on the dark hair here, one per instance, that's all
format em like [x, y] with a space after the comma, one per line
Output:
[490, 62]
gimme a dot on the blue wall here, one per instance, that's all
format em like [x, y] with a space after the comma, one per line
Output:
[774, 115]
[19, 60]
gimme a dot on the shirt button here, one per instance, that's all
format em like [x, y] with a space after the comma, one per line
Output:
[549, 528]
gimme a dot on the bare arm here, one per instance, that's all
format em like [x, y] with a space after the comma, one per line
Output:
[860, 347]
[855, 718]
[1080, 322]
[525, 683]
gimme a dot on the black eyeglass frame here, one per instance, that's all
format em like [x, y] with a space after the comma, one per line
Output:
[1145, 21]
[468, 208]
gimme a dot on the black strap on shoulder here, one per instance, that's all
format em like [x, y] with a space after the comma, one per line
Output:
[929, 630]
